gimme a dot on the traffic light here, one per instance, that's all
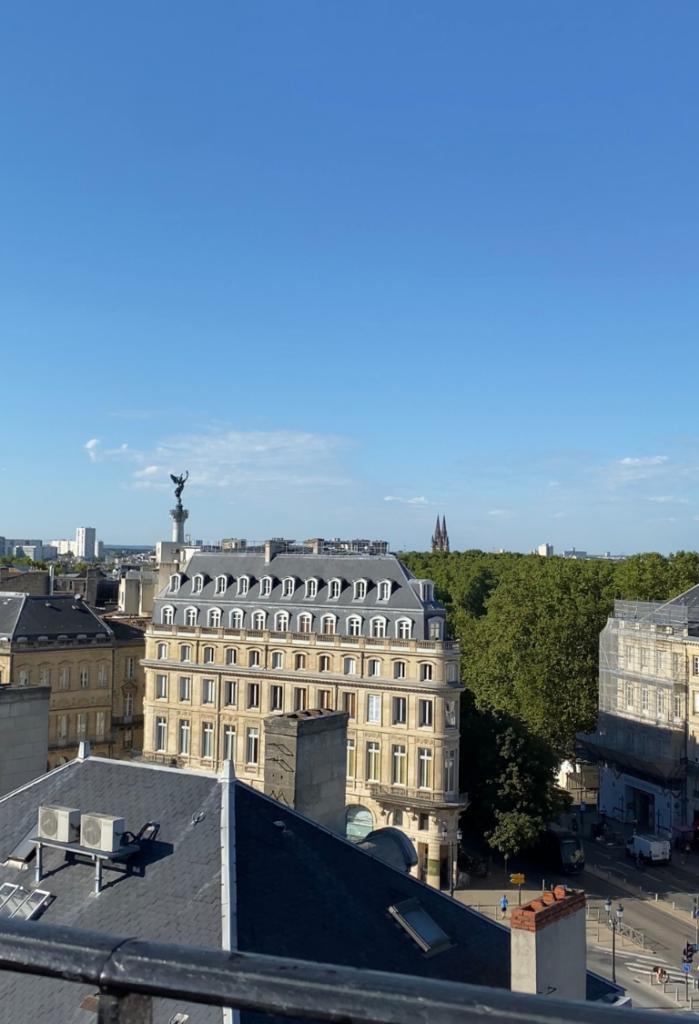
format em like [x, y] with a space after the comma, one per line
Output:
[689, 951]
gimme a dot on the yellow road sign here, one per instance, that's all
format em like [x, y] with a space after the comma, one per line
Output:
[516, 879]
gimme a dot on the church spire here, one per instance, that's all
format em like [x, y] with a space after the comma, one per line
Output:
[445, 535]
[440, 538]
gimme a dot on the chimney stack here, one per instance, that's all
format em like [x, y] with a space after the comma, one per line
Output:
[305, 764]
[548, 948]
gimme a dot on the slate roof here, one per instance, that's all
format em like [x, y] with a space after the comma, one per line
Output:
[302, 891]
[30, 616]
[404, 598]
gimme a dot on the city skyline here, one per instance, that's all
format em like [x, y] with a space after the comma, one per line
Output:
[352, 269]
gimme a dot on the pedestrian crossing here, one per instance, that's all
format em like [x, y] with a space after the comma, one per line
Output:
[640, 963]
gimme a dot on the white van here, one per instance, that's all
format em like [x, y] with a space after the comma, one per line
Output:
[649, 849]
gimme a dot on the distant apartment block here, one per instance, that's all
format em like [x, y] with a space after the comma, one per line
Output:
[85, 537]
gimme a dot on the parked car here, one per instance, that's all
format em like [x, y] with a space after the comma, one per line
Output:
[649, 849]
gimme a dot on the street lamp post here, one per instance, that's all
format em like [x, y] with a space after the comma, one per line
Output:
[613, 925]
[443, 833]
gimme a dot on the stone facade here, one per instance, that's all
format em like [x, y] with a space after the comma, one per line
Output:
[24, 726]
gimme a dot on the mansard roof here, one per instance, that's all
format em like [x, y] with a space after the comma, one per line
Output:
[64, 615]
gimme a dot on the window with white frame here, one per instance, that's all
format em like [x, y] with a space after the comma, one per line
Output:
[695, 666]
[351, 759]
[190, 617]
[185, 652]
[185, 688]
[161, 687]
[324, 663]
[258, 620]
[236, 619]
[129, 666]
[359, 590]
[197, 584]
[62, 728]
[629, 695]
[214, 620]
[333, 590]
[435, 629]
[324, 700]
[167, 615]
[253, 695]
[350, 666]
[677, 706]
[82, 726]
[373, 708]
[300, 661]
[128, 705]
[384, 590]
[84, 678]
[276, 698]
[288, 587]
[45, 677]
[450, 713]
[243, 585]
[452, 672]
[327, 624]
[399, 670]
[374, 667]
[64, 678]
[404, 629]
[281, 622]
[426, 672]
[426, 588]
[659, 662]
[311, 588]
[231, 656]
[162, 652]
[253, 659]
[660, 702]
[277, 659]
[644, 699]
[300, 698]
[449, 771]
[183, 736]
[400, 711]
[695, 702]
[398, 764]
[160, 733]
[349, 704]
[373, 762]
[103, 674]
[24, 677]
[378, 627]
[230, 693]
[221, 585]
[252, 747]
[265, 586]
[424, 768]
[209, 655]
[207, 691]
[304, 623]
[425, 717]
[354, 626]
[675, 665]
[229, 743]
[645, 659]
[207, 740]
[175, 583]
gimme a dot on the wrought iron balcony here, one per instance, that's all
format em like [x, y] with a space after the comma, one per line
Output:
[406, 796]
[129, 973]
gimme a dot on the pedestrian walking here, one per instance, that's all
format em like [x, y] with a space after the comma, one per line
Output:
[503, 906]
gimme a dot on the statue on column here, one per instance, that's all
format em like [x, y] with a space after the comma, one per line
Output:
[179, 482]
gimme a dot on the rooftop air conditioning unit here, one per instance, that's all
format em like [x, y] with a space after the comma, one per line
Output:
[101, 832]
[61, 824]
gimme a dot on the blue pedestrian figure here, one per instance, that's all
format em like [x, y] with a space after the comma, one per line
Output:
[503, 905]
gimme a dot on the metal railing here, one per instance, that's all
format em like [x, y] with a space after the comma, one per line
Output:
[129, 973]
[411, 797]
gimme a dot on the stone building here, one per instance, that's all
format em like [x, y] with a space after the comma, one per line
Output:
[239, 635]
[24, 581]
[91, 665]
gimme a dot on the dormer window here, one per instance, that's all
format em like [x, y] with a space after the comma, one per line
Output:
[288, 586]
[197, 584]
[404, 628]
[311, 588]
[384, 590]
[221, 584]
[167, 616]
[175, 583]
[281, 622]
[265, 586]
[359, 590]
[258, 620]
[190, 617]
[333, 590]
[427, 593]
[378, 627]
[236, 619]
[214, 618]
[243, 585]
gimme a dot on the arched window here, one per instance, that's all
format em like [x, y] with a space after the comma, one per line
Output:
[384, 590]
[328, 624]
[311, 588]
[208, 655]
[243, 585]
[162, 652]
[167, 616]
[214, 618]
[253, 659]
[378, 627]
[426, 589]
[350, 667]
[197, 584]
[258, 620]
[190, 617]
[300, 661]
[288, 586]
[277, 659]
[221, 585]
[185, 652]
[354, 626]
[265, 586]
[425, 672]
[281, 622]
[174, 583]
[333, 590]
[399, 670]
[305, 623]
[404, 628]
[236, 619]
[231, 656]
[324, 663]
[359, 823]
[359, 590]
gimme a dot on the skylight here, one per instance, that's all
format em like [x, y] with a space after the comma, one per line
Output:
[412, 916]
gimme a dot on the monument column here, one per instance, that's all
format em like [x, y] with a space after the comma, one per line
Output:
[178, 514]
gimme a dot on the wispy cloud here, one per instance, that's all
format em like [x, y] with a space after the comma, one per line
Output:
[663, 499]
[92, 448]
[557, 515]
[409, 501]
[647, 460]
[503, 513]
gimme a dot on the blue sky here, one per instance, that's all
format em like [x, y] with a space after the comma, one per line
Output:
[351, 265]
